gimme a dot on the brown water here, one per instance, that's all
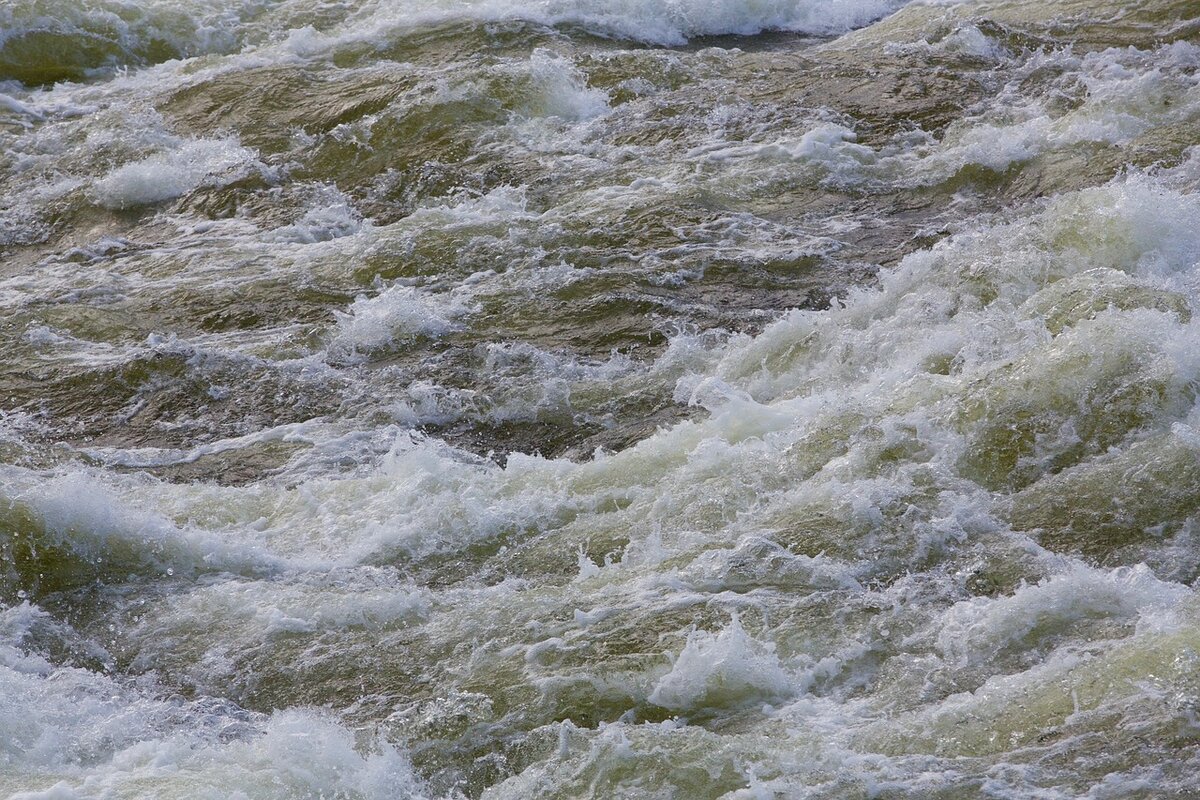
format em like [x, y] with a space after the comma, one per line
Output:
[574, 399]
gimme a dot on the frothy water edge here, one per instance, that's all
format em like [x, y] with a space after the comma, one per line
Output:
[933, 537]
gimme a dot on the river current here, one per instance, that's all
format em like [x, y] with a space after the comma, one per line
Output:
[599, 399]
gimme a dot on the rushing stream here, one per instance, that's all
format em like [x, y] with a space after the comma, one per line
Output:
[521, 399]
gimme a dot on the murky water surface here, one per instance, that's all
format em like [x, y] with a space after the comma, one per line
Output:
[599, 399]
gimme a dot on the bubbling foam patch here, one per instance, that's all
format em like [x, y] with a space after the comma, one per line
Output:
[174, 173]
[937, 537]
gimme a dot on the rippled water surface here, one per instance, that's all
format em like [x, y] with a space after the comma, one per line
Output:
[599, 399]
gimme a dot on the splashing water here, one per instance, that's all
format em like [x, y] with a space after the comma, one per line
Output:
[485, 398]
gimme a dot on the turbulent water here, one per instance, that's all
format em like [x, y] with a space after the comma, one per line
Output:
[599, 399]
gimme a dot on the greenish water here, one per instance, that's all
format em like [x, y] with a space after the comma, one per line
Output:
[479, 398]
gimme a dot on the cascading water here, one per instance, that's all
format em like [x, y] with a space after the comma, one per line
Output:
[599, 398]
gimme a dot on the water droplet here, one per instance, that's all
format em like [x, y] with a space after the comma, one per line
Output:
[170, 570]
[22, 594]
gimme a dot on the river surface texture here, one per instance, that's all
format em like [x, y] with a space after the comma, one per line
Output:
[649, 399]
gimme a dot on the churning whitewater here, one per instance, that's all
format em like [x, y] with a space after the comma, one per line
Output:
[599, 399]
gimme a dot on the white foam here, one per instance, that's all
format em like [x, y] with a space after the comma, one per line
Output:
[1125, 94]
[332, 219]
[729, 667]
[830, 471]
[395, 314]
[174, 173]
[236, 615]
[143, 457]
[562, 89]
[17, 107]
[672, 23]
[832, 147]
[976, 630]
[97, 525]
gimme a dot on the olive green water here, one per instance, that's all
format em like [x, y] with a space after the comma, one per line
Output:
[613, 400]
